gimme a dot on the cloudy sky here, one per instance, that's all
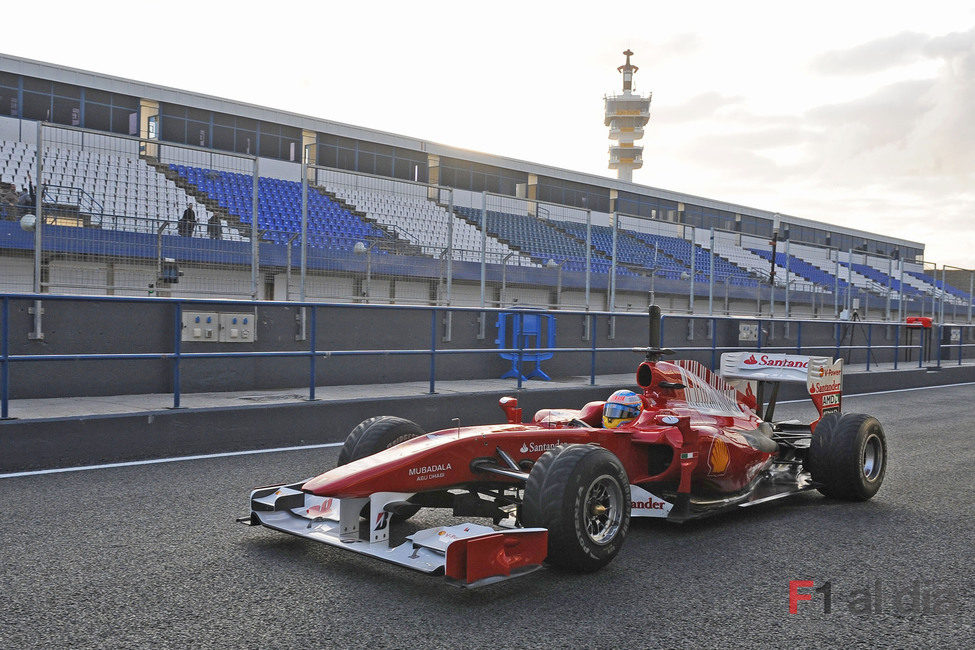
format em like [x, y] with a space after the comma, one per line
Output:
[857, 113]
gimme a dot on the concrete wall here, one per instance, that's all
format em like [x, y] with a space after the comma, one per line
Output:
[84, 327]
[41, 444]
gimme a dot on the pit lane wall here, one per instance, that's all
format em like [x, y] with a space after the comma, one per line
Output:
[70, 442]
[151, 327]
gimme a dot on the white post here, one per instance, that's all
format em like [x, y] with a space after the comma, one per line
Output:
[254, 232]
[589, 255]
[711, 279]
[483, 248]
[304, 224]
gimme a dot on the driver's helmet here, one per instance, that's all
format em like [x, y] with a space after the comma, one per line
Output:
[622, 406]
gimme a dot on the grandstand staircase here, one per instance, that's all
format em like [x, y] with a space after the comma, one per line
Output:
[201, 197]
[396, 245]
[515, 247]
[636, 268]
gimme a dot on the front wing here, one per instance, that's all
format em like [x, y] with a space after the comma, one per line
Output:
[467, 554]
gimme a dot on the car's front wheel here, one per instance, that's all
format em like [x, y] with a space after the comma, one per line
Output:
[581, 494]
[374, 435]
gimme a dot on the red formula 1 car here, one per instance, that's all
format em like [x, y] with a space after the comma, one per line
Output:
[562, 488]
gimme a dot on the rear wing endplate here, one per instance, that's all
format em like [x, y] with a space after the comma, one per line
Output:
[755, 372]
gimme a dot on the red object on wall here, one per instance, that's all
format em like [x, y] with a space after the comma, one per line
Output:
[918, 321]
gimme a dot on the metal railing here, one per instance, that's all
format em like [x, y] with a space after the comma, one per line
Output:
[773, 335]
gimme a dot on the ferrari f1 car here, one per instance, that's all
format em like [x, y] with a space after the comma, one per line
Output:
[562, 488]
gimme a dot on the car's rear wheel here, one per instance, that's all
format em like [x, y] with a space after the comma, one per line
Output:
[581, 494]
[848, 456]
[376, 434]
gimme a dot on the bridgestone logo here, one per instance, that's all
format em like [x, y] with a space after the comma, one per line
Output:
[428, 469]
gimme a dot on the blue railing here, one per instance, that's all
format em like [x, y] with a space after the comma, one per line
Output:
[176, 355]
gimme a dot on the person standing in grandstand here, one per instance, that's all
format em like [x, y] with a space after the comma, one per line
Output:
[213, 227]
[187, 222]
[28, 199]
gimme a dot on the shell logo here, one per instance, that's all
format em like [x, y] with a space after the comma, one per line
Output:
[718, 457]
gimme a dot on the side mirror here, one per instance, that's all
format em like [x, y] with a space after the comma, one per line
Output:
[511, 411]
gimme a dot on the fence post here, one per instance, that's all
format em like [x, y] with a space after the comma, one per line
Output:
[612, 266]
[901, 307]
[890, 281]
[787, 265]
[4, 354]
[869, 343]
[836, 334]
[38, 333]
[449, 318]
[589, 259]
[304, 224]
[849, 282]
[711, 282]
[177, 343]
[254, 232]
[482, 328]
[519, 334]
[450, 247]
[836, 284]
[312, 348]
[592, 361]
[961, 338]
[714, 335]
[944, 283]
[971, 295]
[690, 299]
[941, 333]
[897, 341]
[920, 346]
[433, 350]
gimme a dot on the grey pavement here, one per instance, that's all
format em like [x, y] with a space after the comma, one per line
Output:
[149, 556]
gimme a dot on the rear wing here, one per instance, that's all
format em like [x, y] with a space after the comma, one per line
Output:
[755, 372]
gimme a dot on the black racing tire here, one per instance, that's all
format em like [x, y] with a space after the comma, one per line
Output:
[381, 433]
[581, 494]
[848, 456]
[345, 455]
[531, 502]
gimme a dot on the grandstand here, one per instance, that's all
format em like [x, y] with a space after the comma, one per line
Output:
[435, 223]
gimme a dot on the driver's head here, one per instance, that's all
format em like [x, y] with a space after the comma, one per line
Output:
[622, 407]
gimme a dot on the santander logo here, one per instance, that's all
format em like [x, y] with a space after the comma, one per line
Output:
[776, 361]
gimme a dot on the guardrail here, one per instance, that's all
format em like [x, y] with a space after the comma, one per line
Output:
[842, 340]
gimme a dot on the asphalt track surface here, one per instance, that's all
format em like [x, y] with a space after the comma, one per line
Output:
[150, 556]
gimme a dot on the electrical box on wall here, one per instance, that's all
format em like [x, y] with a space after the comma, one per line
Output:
[201, 326]
[747, 332]
[215, 327]
[237, 328]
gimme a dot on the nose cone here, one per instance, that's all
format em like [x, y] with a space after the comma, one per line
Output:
[407, 467]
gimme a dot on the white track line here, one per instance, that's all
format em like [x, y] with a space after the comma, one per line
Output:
[156, 461]
[249, 452]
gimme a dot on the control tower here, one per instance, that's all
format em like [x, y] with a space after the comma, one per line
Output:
[626, 115]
